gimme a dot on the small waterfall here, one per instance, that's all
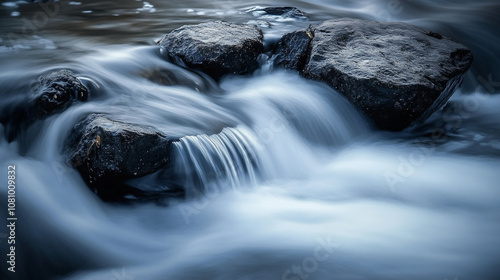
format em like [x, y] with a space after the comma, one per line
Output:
[226, 160]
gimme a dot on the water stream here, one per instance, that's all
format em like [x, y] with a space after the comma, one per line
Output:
[283, 178]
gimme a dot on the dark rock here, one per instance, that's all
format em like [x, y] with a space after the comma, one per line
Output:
[291, 51]
[54, 92]
[217, 48]
[106, 152]
[396, 73]
[284, 12]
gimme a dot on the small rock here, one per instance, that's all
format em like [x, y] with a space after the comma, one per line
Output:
[291, 51]
[217, 48]
[56, 91]
[106, 151]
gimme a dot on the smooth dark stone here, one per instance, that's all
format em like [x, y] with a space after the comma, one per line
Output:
[217, 48]
[53, 93]
[106, 152]
[56, 91]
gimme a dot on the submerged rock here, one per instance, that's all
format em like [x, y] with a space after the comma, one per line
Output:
[281, 11]
[260, 23]
[56, 91]
[217, 48]
[396, 73]
[53, 93]
[106, 151]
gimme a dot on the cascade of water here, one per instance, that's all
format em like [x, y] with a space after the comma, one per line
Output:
[229, 158]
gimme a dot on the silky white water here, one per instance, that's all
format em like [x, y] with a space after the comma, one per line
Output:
[283, 178]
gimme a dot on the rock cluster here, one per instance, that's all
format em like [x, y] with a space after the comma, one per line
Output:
[396, 73]
[106, 151]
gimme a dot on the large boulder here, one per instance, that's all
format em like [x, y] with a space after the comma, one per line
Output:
[106, 152]
[396, 73]
[217, 48]
[53, 93]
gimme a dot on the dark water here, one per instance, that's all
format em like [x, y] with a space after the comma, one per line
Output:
[284, 179]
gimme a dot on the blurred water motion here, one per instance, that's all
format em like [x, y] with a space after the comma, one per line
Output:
[285, 180]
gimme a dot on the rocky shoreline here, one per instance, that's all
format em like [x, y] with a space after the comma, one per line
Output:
[396, 73]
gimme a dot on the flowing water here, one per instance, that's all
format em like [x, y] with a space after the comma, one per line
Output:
[283, 179]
